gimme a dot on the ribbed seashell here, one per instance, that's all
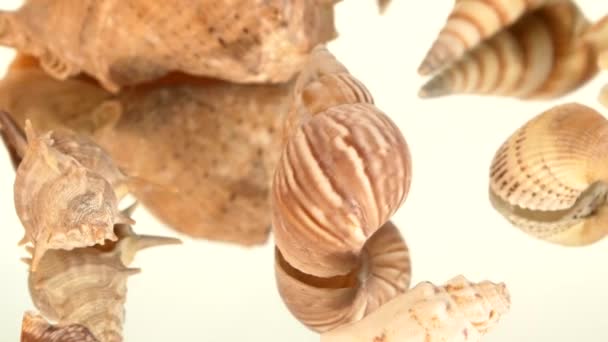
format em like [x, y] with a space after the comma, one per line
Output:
[88, 286]
[470, 23]
[459, 311]
[35, 328]
[216, 143]
[127, 42]
[344, 170]
[539, 57]
[550, 177]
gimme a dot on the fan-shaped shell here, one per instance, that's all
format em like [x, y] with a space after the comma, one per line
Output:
[458, 311]
[211, 146]
[470, 23]
[539, 57]
[35, 328]
[550, 177]
[127, 42]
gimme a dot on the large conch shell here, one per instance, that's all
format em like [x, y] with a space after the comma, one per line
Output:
[35, 328]
[126, 42]
[216, 143]
[61, 195]
[344, 170]
[459, 311]
[470, 23]
[540, 57]
[550, 177]
[87, 286]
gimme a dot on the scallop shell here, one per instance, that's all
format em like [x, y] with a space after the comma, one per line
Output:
[343, 172]
[207, 147]
[88, 286]
[36, 329]
[539, 57]
[470, 23]
[459, 311]
[549, 177]
[241, 41]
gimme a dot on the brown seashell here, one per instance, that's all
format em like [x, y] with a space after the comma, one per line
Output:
[36, 329]
[210, 146]
[88, 286]
[539, 57]
[470, 23]
[344, 170]
[459, 311]
[127, 42]
[549, 178]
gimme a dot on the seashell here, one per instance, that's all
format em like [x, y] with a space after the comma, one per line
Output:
[210, 146]
[344, 170]
[238, 41]
[470, 23]
[13, 137]
[459, 311]
[61, 203]
[88, 286]
[36, 329]
[539, 57]
[549, 178]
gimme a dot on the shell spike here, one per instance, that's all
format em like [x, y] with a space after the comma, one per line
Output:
[436, 87]
[23, 240]
[130, 245]
[131, 271]
[123, 219]
[27, 261]
[14, 138]
[39, 251]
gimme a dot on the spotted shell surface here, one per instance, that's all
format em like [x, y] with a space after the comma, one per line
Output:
[241, 41]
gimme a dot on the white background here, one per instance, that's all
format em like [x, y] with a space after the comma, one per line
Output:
[213, 292]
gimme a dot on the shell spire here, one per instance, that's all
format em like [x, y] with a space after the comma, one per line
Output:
[538, 57]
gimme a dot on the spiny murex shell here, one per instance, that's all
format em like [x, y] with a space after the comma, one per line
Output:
[459, 311]
[35, 328]
[541, 56]
[61, 202]
[126, 42]
[550, 177]
[88, 286]
[215, 142]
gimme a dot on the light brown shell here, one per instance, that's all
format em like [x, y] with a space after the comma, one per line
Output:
[550, 177]
[35, 328]
[459, 311]
[211, 146]
[471, 22]
[344, 170]
[61, 203]
[88, 286]
[539, 57]
[127, 42]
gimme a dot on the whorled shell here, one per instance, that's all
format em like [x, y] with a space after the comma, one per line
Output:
[212, 146]
[62, 203]
[127, 42]
[470, 23]
[344, 170]
[35, 328]
[459, 311]
[550, 177]
[539, 57]
[88, 286]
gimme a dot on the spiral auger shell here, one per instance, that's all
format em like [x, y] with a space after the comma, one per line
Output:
[550, 177]
[458, 311]
[35, 328]
[344, 170]
[541, 56]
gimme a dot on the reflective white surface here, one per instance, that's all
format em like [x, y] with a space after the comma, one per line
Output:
[205, 291]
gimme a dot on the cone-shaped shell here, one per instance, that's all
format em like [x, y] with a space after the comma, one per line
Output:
[326, 303]
[88, 286]
[35, 328]
[550, 179]
[470, 23]
[126, 42]
[459, 311]
[216, 143]
[539, 57]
